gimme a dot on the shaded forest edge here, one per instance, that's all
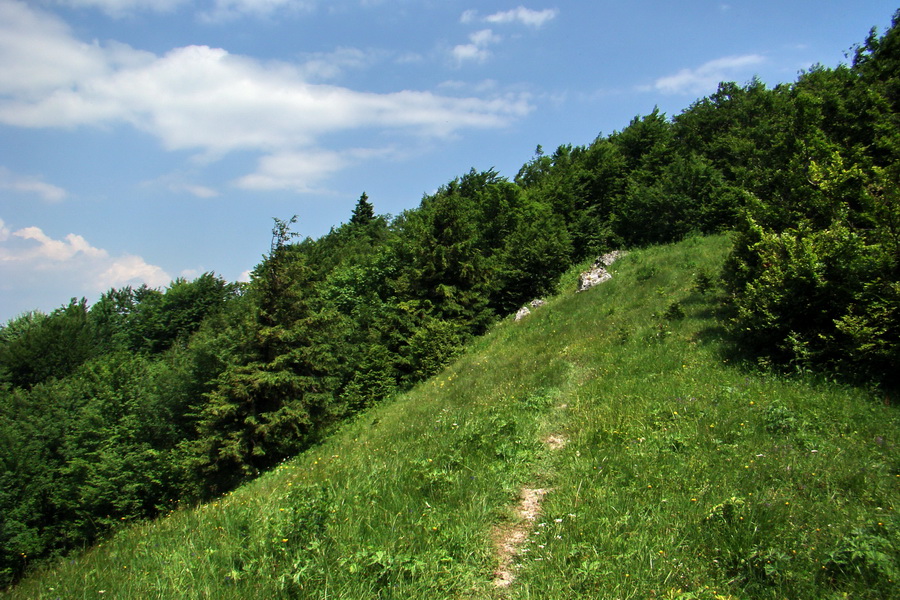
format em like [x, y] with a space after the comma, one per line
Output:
[117, 411]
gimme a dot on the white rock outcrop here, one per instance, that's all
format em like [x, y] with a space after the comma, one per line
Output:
[525, 311]
[598, 273]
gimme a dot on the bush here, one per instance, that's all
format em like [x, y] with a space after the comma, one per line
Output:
[816, 299]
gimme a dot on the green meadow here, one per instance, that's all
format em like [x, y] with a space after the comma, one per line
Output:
[672, 468]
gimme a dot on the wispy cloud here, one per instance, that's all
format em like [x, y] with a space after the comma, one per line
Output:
[469, 16]
[524, 16]
[180, 183]
[520, 15]
[225, 10]
[26, 184]
[295, 171]
[219, 11]
[477, 48]
[303, 171]
[119, 8]
[705, 78]
[331, 65]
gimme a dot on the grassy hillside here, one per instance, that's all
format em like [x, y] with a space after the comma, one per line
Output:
[663, 469]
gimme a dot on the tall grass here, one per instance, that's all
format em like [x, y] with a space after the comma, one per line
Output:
[684, 474]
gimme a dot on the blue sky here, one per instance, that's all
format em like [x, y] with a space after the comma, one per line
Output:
[143, 140]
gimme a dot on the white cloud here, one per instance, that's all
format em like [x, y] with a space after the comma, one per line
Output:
[466, 52]
[330, 65]
[409, 58]
[56, 250]
[179, 184]
[524, 16]
[484, 37]
[206, 100]
[38, 54]
[130, 270]
[30, 185]
[477, 49]
[201, 191]
[29, 257]
[479, 42]
[302, 171]
[705, 78]
[483, 86]
[296, 171]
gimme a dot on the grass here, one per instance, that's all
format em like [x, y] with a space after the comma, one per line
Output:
[685, 474]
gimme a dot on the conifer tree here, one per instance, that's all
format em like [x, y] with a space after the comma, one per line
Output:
[273, 399]
[364, 212]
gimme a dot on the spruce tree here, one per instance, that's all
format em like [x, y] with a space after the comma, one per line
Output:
[364, 211]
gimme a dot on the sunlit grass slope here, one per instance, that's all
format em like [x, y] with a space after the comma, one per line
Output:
[683, 475]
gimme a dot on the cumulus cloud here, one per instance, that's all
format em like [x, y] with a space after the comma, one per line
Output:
[524, 16]
[56, 250]
[130, 270]
[705, 78]
[30, 185]
[204, 99]
[30, 257]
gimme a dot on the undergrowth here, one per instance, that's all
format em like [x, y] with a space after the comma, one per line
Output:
[686, 474]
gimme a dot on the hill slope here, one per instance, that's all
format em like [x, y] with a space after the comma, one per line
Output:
[652, 466]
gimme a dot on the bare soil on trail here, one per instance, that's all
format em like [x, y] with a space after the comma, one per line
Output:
[555, 442]
[510, 538]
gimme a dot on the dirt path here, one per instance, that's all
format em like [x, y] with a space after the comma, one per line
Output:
[509, 538]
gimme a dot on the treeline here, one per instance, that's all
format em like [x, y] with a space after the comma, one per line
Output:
[120, 410]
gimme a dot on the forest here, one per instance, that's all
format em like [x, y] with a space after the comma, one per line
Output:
[147, 399]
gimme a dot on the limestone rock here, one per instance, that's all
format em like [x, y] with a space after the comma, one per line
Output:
[598, 273]
[525, 311]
